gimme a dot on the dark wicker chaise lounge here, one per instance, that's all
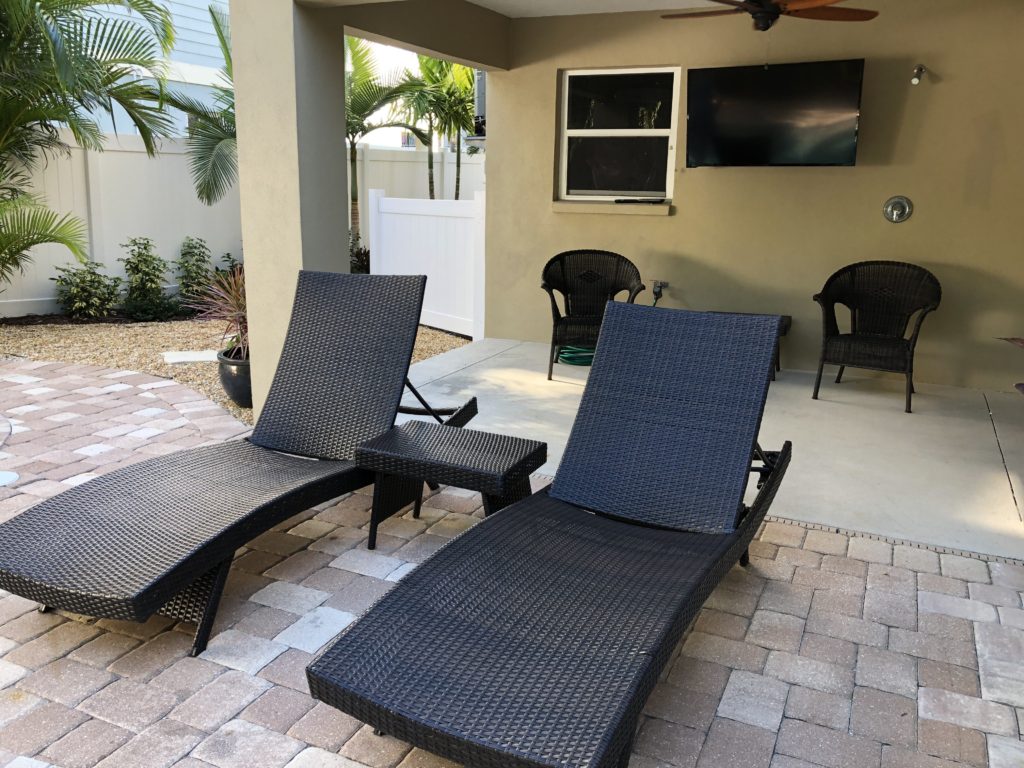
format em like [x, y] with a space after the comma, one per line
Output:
[535, 638]
[159, 536]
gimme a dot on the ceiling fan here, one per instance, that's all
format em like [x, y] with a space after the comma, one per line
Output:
[766, 12]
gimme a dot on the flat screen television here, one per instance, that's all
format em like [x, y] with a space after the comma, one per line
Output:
[782, 114]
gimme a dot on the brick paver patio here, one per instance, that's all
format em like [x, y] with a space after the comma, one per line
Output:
[830, 650]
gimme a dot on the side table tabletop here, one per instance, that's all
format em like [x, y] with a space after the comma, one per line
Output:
[498, 466]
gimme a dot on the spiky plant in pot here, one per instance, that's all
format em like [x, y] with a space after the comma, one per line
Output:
[223, 300]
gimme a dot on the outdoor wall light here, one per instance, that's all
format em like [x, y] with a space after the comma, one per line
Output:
[919, 71]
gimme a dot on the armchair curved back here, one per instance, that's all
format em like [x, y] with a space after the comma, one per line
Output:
[882, 296]
[589, 279]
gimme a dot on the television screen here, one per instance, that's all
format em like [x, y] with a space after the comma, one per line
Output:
[782, 114]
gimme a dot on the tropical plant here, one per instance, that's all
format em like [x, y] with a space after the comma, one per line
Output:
[194, 268]
[358, 255]
[212, 145]
[1019, 342]
[223, 299]
[61, 63]
[367, 93]
[440, 97]
[84, 292]
[26, 223]
[145, 298]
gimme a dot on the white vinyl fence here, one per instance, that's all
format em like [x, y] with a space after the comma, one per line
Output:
[442, 239]
[121, 193]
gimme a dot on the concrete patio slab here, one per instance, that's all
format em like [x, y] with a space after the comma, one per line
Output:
[945, 475]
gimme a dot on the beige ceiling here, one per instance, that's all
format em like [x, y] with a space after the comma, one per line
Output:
[520, 8]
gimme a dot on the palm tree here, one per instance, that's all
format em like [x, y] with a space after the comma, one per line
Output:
[212, 145]
[61, 63]
[26, 223]
[367, 93]
[441, 96]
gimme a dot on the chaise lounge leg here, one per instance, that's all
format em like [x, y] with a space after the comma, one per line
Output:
[839, 376]
[625, 755]
[198, 603]
[745, 558]
[551, 359]
[910, 390]
[210, 611]
[817, 381]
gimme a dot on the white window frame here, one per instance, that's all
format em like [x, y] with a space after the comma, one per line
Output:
[567, 133]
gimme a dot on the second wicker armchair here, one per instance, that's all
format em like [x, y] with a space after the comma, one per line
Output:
[588, 280]
[883, 298]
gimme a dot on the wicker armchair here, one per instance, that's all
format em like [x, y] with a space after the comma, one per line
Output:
[587, 280]
[883, 298]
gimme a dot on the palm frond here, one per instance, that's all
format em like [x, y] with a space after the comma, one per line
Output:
[222, 27]
[26, 223]
[213, 159]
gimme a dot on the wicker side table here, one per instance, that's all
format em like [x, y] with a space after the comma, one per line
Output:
[498, 466]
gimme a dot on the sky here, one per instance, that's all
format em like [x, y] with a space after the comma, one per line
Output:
[390, 59]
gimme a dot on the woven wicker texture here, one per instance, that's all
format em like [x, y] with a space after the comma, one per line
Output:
[587, 280]
[883, 298]
[340, 377]
[122, 544]
[545, 627]
[465, 458]
[669, 417]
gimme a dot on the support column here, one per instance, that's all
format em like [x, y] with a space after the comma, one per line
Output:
[289, 90]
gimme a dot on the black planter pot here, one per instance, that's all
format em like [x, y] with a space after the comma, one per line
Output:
[234, 377]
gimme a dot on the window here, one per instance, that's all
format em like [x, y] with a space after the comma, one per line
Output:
[618, 137]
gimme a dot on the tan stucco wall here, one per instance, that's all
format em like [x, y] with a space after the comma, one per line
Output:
[289, 84]
[765, 239]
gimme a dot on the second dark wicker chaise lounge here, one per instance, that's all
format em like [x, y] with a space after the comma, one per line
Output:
[159, 536]
[535, 638]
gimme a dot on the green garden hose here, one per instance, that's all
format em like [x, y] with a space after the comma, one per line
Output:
[585, 355]
[576, 355]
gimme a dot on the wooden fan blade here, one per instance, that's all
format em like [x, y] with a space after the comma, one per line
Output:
[802, 5]
[702, 14]
[833, 14]
[744, 4]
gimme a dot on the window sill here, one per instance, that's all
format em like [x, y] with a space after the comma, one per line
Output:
[628, 209]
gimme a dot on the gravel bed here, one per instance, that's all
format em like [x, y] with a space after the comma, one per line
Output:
[140, 347]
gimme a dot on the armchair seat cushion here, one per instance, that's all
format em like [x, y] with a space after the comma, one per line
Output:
[864, 350]
[577, 330]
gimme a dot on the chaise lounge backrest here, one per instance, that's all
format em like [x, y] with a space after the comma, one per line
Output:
[340, 377]
[669, 418]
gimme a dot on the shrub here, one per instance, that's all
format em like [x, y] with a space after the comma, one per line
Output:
[358, 256]
[145, 298]
[86, 293]
[193, 269]
[230, 263]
